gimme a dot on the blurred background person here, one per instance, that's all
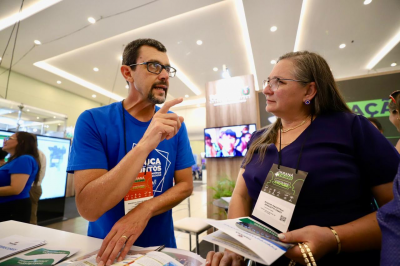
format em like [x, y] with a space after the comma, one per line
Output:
[389, 215]
[3, 155]
[211, 148]
[242, 145]
[17, 176]
[394, 116]
[228, 144]
[36, 189]
[376, 124]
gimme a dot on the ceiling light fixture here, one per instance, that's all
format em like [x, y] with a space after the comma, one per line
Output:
[215, 69]
[37, 117]
[96, 69]
[94, 96]
[367, 2]
[58, 82]
[28, 110]
[246, 37]
[199, 42]
[0, 58]
[393, 64]
[384, 51]
[120, 57]
[37, 42]
[343, 45]
[181, 75]
[186, 96]
[77, 80]
[300, 26]
[273, 28]
[273, 62]
[26, 12]
[54, 116]
[91, 20]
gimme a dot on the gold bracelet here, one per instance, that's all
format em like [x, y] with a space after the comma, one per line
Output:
[307, 255]
[339, 244]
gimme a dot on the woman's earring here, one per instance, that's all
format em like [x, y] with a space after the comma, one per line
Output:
[307, 102]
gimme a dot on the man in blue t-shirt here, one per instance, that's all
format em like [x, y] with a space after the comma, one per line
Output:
[127, 155]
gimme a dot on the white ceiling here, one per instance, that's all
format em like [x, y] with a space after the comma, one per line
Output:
[178, 24]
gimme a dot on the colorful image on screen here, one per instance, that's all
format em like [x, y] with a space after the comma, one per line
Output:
[228, 141]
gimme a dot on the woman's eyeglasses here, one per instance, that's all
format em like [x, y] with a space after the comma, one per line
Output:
[8, 138]
[392, 96]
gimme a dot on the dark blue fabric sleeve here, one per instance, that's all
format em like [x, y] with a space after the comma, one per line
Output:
[377, 159]
[24, 164]
[184, 157]
[87, 150]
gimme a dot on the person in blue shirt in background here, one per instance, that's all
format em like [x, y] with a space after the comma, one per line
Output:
[17, 176]
[118, 144]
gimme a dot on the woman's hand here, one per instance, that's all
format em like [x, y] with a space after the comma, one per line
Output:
[320, 240]
[226, 258]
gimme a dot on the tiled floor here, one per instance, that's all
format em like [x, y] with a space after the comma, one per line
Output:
[198, 204]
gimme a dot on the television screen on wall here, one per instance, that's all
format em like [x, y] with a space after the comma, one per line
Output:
[228, 141]
[56, 151]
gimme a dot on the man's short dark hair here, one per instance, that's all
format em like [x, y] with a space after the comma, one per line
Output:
[3, 154]
[376, 122]
[206, 135]
[131, 51]
[231, 133]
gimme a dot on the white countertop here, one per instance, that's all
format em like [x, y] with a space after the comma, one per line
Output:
[53, 237]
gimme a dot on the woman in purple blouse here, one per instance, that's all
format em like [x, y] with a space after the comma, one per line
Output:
[389, 215]
[348, 162]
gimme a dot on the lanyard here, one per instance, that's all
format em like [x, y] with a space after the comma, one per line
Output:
[301, 149]
[123, 122]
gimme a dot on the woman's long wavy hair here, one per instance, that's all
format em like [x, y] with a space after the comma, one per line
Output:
[27, 145]
[309, 67]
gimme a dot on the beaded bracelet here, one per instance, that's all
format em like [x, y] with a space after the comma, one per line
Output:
[307, 255]
[339, 244]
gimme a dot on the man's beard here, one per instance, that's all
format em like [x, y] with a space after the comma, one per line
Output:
[154, 99]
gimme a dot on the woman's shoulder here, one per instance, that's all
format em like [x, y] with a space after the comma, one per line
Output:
[24, 158]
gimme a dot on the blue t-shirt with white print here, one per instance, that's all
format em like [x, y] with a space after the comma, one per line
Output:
[99, 144]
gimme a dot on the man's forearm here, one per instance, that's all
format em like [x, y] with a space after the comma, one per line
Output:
[104, 192]
[169, 199]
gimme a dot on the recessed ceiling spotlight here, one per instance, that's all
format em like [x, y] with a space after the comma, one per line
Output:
[127, 86]
[91, 20]
[58, 82]
[199, 42]
[342, 46]
[367, 2]
[37, 42]
[59, 124]
[37, 117]
[187, 96]
[273, 28]
[215, 69]
[120, 57]
[273, 62]
[28, 110]
[54, 116]
[0, 58]
[393, 64]
[96, 69]
[94, 95]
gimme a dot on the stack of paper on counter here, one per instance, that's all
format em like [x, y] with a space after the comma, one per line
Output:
[41, 256]
[145, 256]
[14, 244]
[261, 244]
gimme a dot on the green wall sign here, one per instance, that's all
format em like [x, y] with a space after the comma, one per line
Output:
[371, 108]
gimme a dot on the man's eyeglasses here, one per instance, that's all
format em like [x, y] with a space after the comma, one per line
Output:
[274, 83]
[156, 68]
[392, 96]
[8, 138]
